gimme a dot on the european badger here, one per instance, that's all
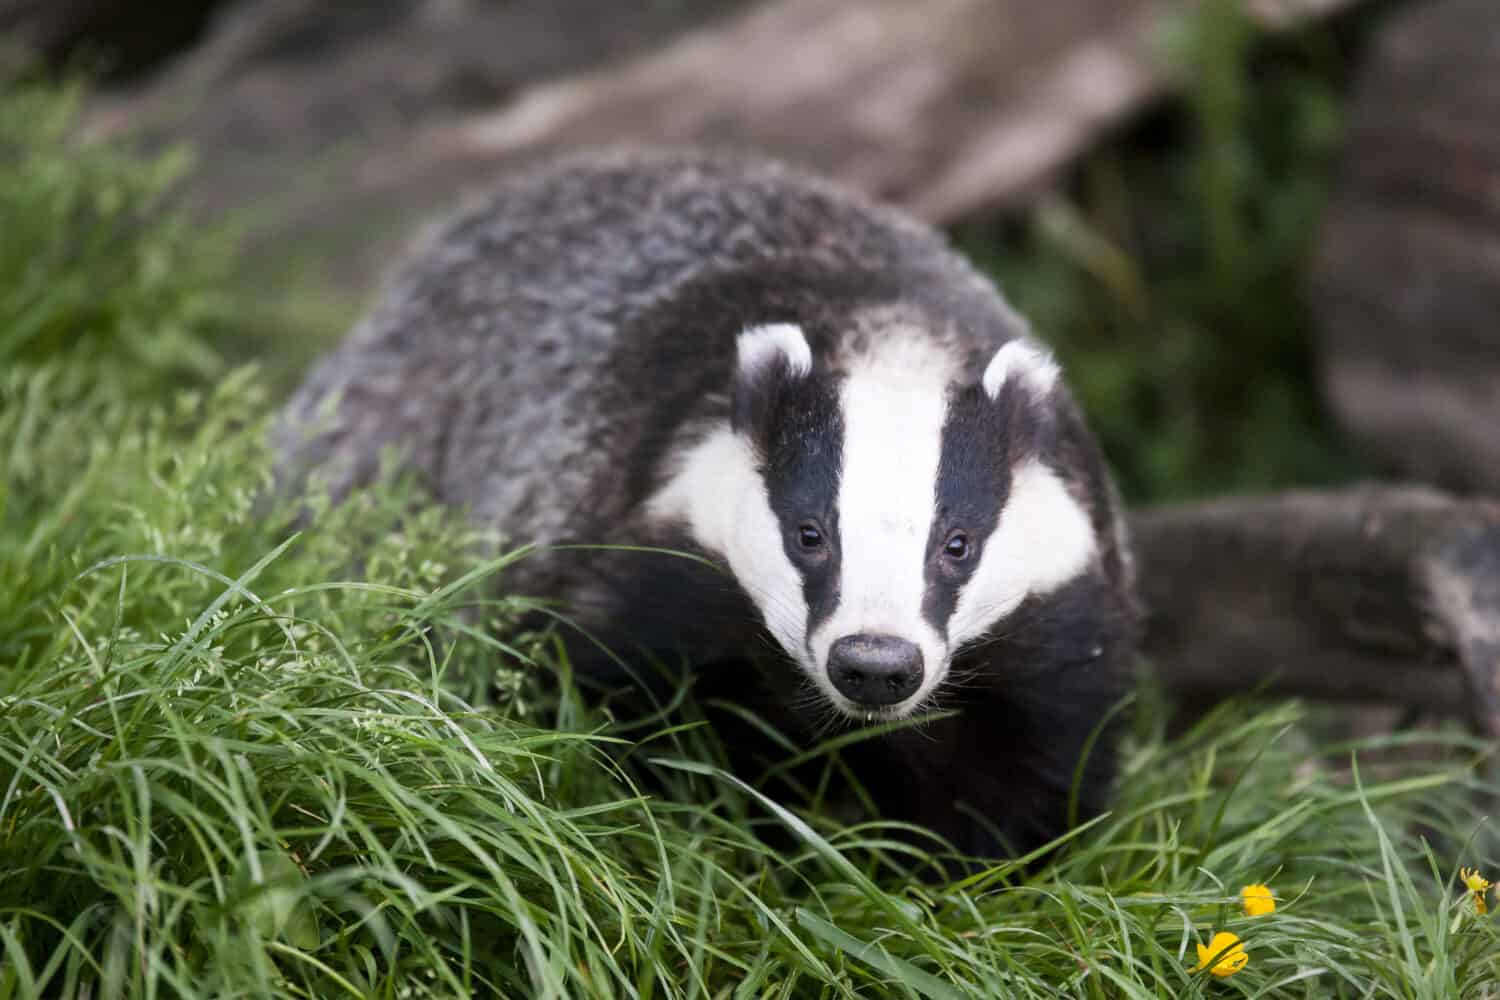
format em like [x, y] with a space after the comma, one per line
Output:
[726, 357]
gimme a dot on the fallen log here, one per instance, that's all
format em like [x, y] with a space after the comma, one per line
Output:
[1373, 594]
[946, 106]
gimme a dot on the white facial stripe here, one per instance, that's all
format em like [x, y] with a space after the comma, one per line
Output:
[893, 412]
[1044, 538]
[1031, 364]
[721, 497]
[760, 345]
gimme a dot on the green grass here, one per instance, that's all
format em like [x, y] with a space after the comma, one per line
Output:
[239, 760]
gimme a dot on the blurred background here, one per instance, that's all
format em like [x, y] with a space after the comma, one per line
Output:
[1264, 235]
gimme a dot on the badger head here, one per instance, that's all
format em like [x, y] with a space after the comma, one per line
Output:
[886, 512]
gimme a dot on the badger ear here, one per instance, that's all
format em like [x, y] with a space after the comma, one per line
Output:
[768, 358]
[1022, 363]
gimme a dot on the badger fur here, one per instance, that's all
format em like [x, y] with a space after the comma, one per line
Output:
[886, 480]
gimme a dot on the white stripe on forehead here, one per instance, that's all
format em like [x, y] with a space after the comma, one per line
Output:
[894, 406]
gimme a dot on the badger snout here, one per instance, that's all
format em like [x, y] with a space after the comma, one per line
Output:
[875, 670]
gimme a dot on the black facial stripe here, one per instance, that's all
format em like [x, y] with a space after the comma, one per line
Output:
[803, 453]
[982, 441]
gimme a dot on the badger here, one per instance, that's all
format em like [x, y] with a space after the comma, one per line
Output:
[751, 417]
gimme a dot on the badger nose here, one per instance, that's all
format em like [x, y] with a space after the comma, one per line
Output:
[875, 669]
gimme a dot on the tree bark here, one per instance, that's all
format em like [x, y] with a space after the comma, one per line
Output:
[1374, 594]
[1406, 281]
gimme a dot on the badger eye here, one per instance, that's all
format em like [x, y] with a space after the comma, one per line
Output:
[957, 546]
[809, 536]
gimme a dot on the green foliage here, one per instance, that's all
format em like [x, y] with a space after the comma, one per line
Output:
[1170, 280]
[91, 267]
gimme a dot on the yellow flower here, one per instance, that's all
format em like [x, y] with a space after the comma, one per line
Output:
[1477, 885]
[1258, 900]
[1232, 959]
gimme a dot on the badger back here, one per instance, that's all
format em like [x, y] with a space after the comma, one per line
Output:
[570, 323]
